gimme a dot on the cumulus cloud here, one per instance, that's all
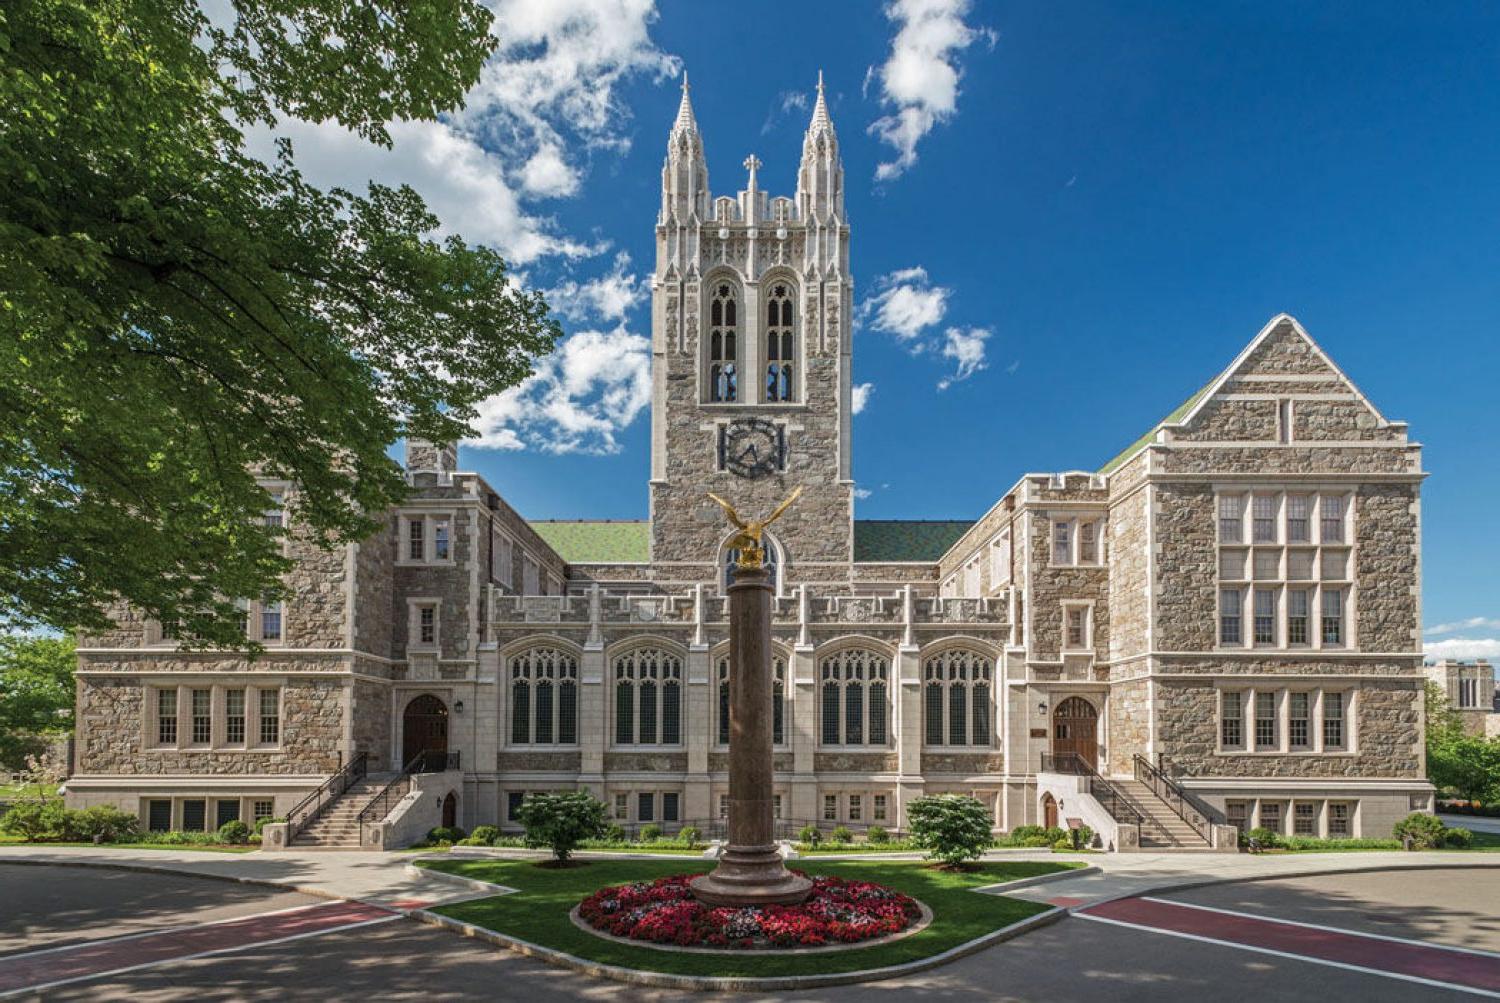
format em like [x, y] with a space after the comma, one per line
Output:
[860, 396]
[966, 349]
[905, 303]
[578, 401]
[607, 297]
[1462, 648]
[919, 80]
[1472, 623]
[862, 493]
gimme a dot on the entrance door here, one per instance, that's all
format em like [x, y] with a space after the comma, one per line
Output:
[424, 729]
[450, 810]
[1075, 729]
[1049, 811]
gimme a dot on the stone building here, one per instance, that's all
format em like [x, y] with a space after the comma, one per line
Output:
[1470, 690]
[1229, 608]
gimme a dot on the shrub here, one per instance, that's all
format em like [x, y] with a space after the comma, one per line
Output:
[952, 828]
[179, 838]
[560, 821]
[262, 823]
[1066, 843]
[483, 835]
[1085, 837]
[1425, 831]
[877, 835]
[1458, 839]
[810, 835]
[841, 834]
[689, 835]
[650, 833]
[34, 821]
[1032, 835]
[444, 834]
[107, 822]
[1265, 837]
[235, 832]
[614, 832]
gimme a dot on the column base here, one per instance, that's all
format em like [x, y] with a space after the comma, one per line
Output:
[751, 876]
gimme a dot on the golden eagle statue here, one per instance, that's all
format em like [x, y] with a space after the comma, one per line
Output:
[747, 540]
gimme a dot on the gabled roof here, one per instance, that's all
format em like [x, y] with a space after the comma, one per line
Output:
[604, 541]
[1178, 413]
[924, 540]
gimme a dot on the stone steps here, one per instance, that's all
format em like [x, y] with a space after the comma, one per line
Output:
[337, 826]
[1161, 828]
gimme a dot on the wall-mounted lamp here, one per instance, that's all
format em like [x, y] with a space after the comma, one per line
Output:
[1041, 707]
[458, 706]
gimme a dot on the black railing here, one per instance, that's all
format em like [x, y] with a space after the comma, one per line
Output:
[1073, 765]
[427, 761]
[310, 807]
[1175, 797]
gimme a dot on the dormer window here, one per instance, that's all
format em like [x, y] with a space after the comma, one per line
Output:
[780, 345]
[723, 345]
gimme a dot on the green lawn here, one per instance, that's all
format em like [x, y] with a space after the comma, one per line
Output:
[538, 911]
[18, 841]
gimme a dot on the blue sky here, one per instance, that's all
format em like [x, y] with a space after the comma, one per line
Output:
[1105, 202]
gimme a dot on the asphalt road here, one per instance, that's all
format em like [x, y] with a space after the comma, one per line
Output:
[1373, 937]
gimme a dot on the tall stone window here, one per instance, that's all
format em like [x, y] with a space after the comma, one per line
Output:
[956, 695]
[723, 344]
[781, 345]
[543, 698]
[854, 697]
[648, 698]
[778, 700]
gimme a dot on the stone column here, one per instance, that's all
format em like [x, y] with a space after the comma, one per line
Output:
[750, 870]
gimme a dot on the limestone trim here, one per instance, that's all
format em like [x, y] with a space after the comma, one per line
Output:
[276, 652]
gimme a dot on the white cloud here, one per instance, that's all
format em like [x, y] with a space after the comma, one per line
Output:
[862, 493]
[919, 80]
[1472, 623]
[966, 349]
[578, 401]
[1010, 370]
[860, 396]
[1463, 648]
[905, 304]
[786, 103]
[609, 296]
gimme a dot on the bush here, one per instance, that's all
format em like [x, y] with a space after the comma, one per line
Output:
[560, 821]
[689, 835]
[810, 835]
[841, 834]
[650, 833]
[1458, 839]
[878, 836]
[1265, 837]
[36, 821]
[260, 825]
[1085, 837]
[1032, 835]
[1425, 831]
[953, 828]
[1064, 844]
[444, 834]
[614, 832]
[483, 835]
[178, 838]
[110, 824]
[234, 832]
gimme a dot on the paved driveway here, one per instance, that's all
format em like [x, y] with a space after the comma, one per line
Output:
[1405, 936]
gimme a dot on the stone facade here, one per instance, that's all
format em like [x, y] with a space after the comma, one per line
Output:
[1082, 613]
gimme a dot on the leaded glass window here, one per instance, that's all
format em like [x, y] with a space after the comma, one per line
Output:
[648, 698]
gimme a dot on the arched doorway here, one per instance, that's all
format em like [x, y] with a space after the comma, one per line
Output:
[1075, 729]
[1049, 811]
[424, 729]
[450, 810]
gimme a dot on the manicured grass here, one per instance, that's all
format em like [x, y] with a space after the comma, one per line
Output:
[538, 911]
[217, 848]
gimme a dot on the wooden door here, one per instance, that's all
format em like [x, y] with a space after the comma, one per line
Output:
[424, 728]
[1049, 811]
[1075, 729]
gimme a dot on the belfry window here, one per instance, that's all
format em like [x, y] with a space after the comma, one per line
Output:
[780, 345]
[723, 345]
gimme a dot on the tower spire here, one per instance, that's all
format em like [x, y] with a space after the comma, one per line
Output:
[685, 120]
[820, 117]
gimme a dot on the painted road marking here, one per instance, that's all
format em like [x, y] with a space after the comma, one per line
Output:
[159, 931]
[1425, 964]
[44, 970]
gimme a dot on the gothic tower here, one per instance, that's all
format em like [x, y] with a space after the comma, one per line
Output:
[751, 302]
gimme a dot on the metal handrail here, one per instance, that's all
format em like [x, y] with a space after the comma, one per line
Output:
[309, 808]
[1173, 795]
[426, 761]
[1114, 803]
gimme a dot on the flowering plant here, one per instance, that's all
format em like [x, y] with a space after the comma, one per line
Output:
[664, 911]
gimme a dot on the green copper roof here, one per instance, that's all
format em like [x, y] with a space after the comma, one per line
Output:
[601, 542]
[906, 539]
[1141, 443]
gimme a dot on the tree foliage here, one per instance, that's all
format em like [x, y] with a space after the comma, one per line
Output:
[560, 822]
[36, 695]
[179, 317]
[1467, 765]
[952, 828]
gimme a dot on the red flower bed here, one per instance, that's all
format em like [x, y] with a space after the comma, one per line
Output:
[665, 912]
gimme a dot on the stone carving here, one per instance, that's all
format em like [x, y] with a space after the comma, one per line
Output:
[856, 762]
[645, 762]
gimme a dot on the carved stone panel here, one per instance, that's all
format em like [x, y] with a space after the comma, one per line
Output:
[967, 763]
[645, 762]
[855, 762]
[532, 761]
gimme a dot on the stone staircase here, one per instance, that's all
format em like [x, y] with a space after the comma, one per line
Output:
[337, 828]
[1161, 828]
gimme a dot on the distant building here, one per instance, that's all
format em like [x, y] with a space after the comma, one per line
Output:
[1470, 689]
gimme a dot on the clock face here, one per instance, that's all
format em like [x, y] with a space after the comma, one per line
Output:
[752, 448]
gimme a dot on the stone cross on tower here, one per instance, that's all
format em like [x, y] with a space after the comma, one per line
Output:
[752, 164]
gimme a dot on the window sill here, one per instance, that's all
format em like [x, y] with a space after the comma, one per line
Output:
[1300, 753]
[409, 563]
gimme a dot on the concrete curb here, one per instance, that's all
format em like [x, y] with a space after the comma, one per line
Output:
[473, 884]
[1039, 879]
[662, 980]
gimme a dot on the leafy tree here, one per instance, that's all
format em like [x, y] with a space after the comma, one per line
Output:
[177, 316]
[36, 695]
[1468, 765]
[561, 821]
[952, 828]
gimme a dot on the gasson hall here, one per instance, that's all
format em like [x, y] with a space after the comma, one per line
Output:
[1216, 628]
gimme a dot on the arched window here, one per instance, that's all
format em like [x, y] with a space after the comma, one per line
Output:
[723, 344]
[854, 694]
[544, 698]
[778, 700]
[648, 698]
[956, 698]
[780, 344]
[770, 560]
